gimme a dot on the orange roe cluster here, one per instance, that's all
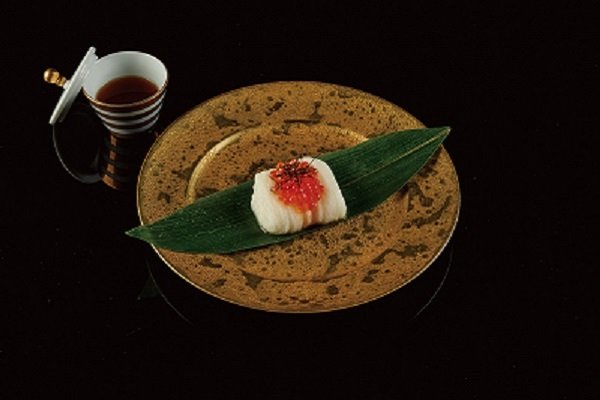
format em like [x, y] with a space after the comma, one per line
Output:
[297, 184]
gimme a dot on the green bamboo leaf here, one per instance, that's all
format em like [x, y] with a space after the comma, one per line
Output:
[367, 174]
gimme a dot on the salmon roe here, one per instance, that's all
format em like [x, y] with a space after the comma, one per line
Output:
[297, 184]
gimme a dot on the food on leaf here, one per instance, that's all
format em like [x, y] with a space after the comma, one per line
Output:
[366, 174]
[295, 195]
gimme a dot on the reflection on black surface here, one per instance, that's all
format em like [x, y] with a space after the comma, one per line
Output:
[77, 142]
[90, 153]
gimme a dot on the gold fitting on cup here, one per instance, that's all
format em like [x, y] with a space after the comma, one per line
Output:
[53, 76]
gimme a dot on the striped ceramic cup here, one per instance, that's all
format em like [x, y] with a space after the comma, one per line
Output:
[126, 89]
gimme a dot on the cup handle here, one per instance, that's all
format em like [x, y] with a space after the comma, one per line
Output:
[78, 143]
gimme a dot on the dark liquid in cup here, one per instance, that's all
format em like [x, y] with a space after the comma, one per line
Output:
[125, 90]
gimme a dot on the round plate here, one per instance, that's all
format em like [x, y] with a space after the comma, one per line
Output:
[227, 139]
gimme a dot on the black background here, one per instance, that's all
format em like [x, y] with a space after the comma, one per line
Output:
[517, 316]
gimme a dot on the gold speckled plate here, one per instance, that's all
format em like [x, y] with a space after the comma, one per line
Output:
[227, 139]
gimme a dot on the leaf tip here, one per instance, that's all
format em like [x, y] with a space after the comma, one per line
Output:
[137, 232]
[442, 132]
[445, 130]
